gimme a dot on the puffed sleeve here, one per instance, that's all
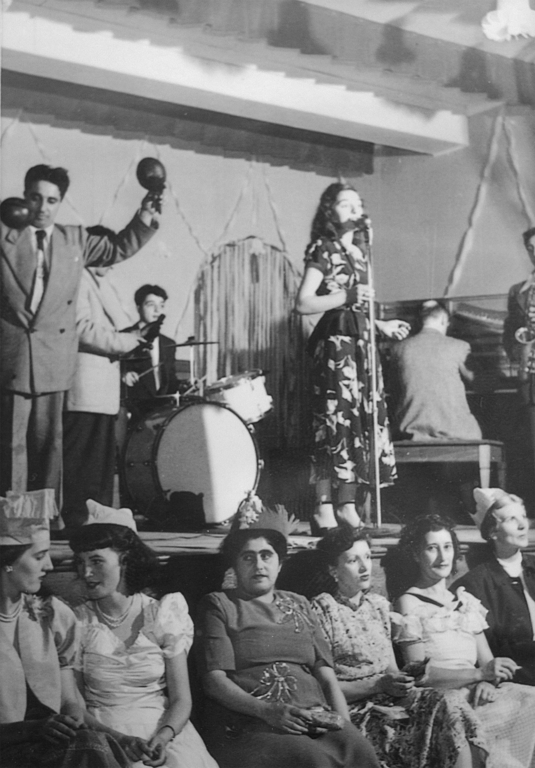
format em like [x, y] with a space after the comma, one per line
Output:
[173, 627]
[66, 632]
[317, 256]
[215, 649]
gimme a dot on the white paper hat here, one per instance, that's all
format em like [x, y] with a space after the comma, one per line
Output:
[22, 515]
[99, 514]
[485, 498]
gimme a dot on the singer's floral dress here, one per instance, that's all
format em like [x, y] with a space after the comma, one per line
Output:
[342, 391]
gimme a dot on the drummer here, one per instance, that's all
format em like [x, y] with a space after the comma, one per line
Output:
[150, 373]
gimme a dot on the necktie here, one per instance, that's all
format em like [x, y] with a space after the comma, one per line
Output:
[40, 276]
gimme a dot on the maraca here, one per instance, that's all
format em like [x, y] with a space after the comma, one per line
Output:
[14, 213]
[151, 175]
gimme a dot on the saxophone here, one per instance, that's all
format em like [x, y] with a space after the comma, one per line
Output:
[525, 336]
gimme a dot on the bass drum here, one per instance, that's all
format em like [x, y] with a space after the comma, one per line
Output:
[200, 448]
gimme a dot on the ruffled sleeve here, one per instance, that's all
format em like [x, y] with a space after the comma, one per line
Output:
[173, 627]
[66, 632]
[406, 629]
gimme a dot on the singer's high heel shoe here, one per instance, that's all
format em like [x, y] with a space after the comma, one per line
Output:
[322, 519]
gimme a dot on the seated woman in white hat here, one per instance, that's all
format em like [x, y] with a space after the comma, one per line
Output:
[505, 581]
[132, 664]
[41, 716]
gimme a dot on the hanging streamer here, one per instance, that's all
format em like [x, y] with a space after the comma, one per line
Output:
[481, 194]
[13, 123]
[245, 188]
[274, 211]
[515, 165]
[244, 299]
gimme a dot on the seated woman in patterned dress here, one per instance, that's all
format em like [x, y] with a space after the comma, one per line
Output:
[267, 671]
[41, 716]
[447, 630]
[132, 665]
[408, 725]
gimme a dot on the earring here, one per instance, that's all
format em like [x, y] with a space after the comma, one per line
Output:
[9, 568]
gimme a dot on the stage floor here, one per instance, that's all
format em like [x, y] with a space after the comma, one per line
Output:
[208, 543]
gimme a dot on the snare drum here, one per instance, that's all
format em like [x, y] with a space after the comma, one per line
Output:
[203, 448]
[245, 393]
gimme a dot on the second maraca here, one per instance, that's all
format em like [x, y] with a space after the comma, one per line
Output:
[152, 176]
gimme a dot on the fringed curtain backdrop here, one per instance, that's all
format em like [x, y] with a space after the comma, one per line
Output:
[244, 300]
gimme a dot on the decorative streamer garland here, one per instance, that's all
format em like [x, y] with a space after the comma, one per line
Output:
[512, 155]
[481, 193]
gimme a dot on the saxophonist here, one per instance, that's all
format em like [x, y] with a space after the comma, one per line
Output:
[519, 340]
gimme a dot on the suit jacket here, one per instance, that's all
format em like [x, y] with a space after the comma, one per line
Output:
[145, 388]
[510, 631]
[39, 350]
[99, 316]
[517, 306]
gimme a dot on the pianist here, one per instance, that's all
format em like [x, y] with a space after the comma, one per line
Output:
[428, 370]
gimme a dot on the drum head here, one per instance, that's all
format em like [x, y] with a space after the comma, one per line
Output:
[206, 448]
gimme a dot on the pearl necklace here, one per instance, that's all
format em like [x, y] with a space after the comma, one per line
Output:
[114, 621]
[6, 617]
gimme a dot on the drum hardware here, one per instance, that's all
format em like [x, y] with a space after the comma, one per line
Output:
[244, 393]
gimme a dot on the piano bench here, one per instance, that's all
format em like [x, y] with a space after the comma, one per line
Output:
[484, 453]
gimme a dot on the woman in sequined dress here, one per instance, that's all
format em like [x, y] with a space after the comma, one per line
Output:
[266, 668]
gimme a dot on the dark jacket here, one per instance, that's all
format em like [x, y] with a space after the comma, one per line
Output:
[510, 631]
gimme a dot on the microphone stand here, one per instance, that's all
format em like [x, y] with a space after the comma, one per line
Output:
[374, 465]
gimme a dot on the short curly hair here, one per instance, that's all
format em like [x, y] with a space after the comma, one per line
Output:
[400, 566]
[337, 541]
[140, 562]
[235, 541]
[57, 176]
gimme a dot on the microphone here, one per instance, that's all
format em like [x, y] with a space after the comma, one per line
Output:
[364, 225]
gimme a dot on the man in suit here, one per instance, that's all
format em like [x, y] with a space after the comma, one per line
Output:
[40, 271]
[151, 373]
[519, 338]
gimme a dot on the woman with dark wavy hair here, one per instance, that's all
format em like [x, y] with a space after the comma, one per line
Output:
[336, 282]
[132, 664]
[445, 632]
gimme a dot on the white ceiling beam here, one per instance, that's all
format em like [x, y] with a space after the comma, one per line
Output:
[79, 49]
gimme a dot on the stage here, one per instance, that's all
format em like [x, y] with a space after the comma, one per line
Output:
[192, 566]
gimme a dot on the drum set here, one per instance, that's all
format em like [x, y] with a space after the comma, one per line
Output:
[191, 464]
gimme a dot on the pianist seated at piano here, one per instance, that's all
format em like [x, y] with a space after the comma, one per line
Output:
[149, 374]
[428, 371]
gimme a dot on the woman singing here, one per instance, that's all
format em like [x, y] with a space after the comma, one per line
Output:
[336, 282]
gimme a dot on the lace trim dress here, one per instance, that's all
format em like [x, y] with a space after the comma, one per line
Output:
[504, 728]
[342, 391]
[125, 685]
[421, 730]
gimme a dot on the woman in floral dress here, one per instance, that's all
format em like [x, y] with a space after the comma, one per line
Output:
[336, 282]
[409, 726]
[267, 671]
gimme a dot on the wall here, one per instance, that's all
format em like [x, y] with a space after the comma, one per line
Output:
[423, 207]
[420, 207]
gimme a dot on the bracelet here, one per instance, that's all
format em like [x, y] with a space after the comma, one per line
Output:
[168, 726]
